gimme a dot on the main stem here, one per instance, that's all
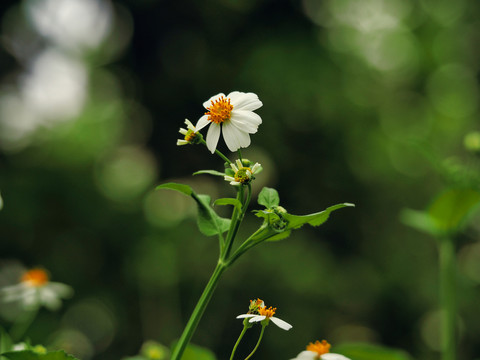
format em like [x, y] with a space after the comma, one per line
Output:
[198, 312]
[447, 298]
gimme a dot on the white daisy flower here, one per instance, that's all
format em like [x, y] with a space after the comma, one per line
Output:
[34, 290]
[265, 313]
[189, 133]
[243, 174]
[233, 115]
[319, 350]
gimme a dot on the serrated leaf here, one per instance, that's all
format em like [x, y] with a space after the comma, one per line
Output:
[370, 352]
[316, 219]
[452, 207]
[30, 355]
[229, 201]
[210, 172]
[268, 197]
[184, 189]
[209, 223]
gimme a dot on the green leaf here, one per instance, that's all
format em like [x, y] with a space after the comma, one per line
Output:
[31, 355]
[6, 343]
[452, 207]
[268, 197]
[229, 201]
[370, 352]
[316, 219]
[419, 220]
[208, 221]
[184, 189]
[194, 352]
[210, 172]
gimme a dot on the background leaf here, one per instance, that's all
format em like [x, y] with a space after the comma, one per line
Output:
[30, 355]
[371, 352]
[184, 189]
[210, 172]
[229, 201]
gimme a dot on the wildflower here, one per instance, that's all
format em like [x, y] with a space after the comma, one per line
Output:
[255, 305]
[35, 289]
[232, 114]
[190, 134]
[266, 314]
[319, 350]
[243, 174]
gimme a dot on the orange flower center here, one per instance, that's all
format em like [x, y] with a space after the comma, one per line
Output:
[319, 347]
[220, 110]
[268, 312]
[35, 277]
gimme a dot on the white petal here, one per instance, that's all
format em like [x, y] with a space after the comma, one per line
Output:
[189, 125]
[202, 122]
[213, 135]
[208, 103]
[245, 316]
[235, 138]
[183, 131]
[306, 355]
[246, 120]
[228, 178]
[257, 318]
[235, 183]
[234, 167]
[182, 142]
[244, 101]
[280, 323]
[333, 356]
[255, 167]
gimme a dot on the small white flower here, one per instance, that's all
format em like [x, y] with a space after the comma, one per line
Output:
[35, 290]
[243, 174]
[319, 350]
[266, 313]
[189, 133]
[233, 115]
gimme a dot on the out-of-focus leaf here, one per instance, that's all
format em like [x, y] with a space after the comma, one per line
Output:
[5, 341]
[229, 201]
[450, 210]
[208, 221]
[194, 352]
[371, 352]
[31, 355]
[419, 220]
[268, 197]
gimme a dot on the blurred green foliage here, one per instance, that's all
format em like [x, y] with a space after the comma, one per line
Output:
[364, 101]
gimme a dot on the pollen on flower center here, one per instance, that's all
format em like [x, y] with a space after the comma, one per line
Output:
[35, 277]
[243, 175]
[319, 347]
[267, 312]
[220, 110]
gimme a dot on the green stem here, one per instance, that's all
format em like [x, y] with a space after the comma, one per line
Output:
[198, 311]
[234, 225]
[244, 330]
[447, 298]
[258, 343]
[216, 152]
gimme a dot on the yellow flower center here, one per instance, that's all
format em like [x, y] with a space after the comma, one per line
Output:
[241, 175]
[319, 347]
[220, 110]
[254, 305]
[267, 312]
[190, 135]
[35, 277]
